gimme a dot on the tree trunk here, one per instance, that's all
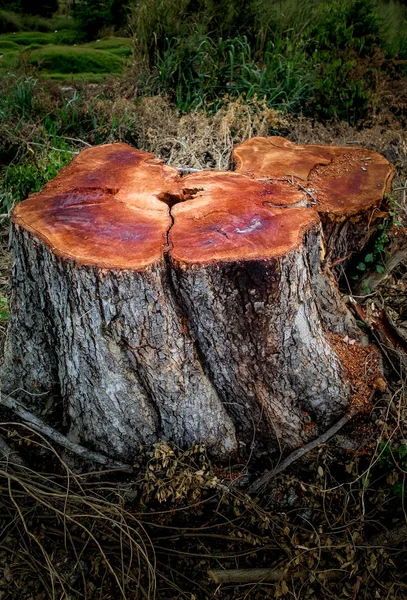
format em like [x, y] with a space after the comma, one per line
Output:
[192, 309]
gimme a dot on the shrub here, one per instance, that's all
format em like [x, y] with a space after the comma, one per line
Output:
[10, 21]
[16, 97]
[92, 16]
[42, 8]
[201, 71]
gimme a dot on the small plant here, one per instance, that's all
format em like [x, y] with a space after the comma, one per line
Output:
[374, 259]
[395, 457]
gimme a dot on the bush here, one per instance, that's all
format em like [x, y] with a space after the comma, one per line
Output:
[42, 8]
[200, 71]
[323, 56]
[10, 21]
[92, 16]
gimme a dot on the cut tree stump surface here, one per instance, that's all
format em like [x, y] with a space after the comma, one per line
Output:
[197, 308]
[346, 185]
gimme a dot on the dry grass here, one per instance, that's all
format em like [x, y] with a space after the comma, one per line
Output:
[157, 535]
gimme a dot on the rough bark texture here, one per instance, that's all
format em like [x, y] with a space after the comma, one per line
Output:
[192, 309]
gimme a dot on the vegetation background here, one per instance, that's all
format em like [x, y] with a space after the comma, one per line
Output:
[186, 80]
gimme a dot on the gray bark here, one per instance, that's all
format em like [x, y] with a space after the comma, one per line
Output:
[262, 332]
[116, 345]
[235, 355]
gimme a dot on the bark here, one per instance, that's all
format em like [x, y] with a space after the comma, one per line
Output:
[194, 309]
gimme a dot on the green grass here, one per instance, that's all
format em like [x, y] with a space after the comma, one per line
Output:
[17, 22]
[116, 45]
[53, 60]
[26, 38]
[7, 45]
[65, 60]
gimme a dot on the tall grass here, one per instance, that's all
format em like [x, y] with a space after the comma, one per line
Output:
[321, 56]
[201, 71]
[394, 17]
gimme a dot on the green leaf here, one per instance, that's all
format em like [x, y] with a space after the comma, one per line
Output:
[362, 266]
[380, 269]
[369, 258]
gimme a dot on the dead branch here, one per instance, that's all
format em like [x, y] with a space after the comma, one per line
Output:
[266, 478]
[253, 575]
[38, 425]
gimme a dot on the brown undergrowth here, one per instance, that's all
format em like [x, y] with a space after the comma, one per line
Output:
[160, 532]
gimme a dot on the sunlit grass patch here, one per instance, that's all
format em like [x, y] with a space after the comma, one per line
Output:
[62, 59]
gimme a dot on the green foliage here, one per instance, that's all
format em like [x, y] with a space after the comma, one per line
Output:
[43, 8]
[17, 96]
[317, 55]
[393, 457]
[120, 46]
[92, 16]
[27, 38]
[374, 259]
[394, 18]
[14, 22]
[29, 176]
[10, 21]
[201, 71]
[41, 50]
[6, 45]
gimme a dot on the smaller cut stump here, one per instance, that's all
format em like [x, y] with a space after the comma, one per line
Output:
[198, 308]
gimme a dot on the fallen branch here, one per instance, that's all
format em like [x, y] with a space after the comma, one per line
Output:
[253, 575]
[264, 479]
[38, 425]
[390, 539]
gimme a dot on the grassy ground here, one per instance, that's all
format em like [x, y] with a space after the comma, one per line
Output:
[57, 56]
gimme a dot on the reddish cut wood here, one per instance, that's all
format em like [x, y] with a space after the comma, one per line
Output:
[344, 181]
[103, 209]
[233, 218]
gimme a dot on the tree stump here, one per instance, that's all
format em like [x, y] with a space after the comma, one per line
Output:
[192, 309]
[346, 186]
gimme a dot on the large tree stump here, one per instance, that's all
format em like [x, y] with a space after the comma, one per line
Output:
[193, 309]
